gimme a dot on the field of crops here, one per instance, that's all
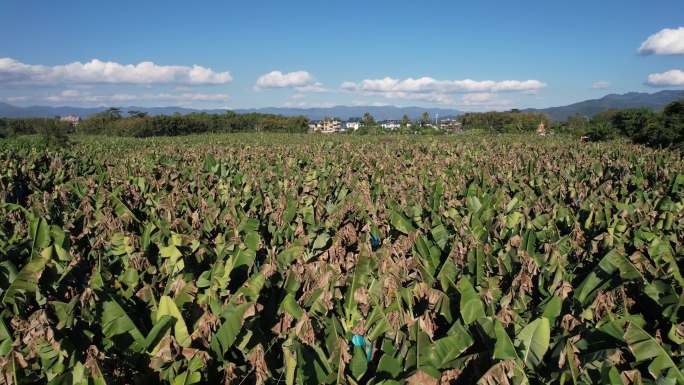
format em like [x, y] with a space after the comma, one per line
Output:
[245, 259]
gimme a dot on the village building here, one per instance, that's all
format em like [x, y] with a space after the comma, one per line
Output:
[390, 125]
[451, 125]
[352, 125]
[326, 126]
[73, 119]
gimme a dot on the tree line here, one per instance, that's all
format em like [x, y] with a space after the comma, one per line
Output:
[643, 126]
[507, 121]
[656, 129]
[135, 123]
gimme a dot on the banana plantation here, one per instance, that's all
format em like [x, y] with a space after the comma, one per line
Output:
[295, 259]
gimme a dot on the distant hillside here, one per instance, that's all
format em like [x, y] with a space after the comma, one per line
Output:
[654, 101]
[10, 111]
[592, 107]
[342, 112]
[346, 112]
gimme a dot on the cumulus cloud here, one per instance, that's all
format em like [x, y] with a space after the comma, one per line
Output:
[434, 97]
[66, 96]
[667, 41]
[357, 103]
[201, 97]
[277, 79]
[600, 85]
[439, 91]
[671, 78]
[101, 72]
[15, 99]
[71, 93]
[74, 96]
[484, 100]
[478, 98]
[427, 84]
[302, 81]
[314, 87]
[303, 104]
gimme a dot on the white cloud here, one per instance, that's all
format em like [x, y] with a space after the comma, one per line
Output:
[303, 104]
[600, 85]
[438, 91]
[484, 101]
[71, 93]
[14, 99]
[301, 81]
[671, 78]
[314, 87]
[100, 72]
[667, 41]
[357, 103]
[478, 98]
[427, 84]
[72, 96]
[434, 97]
[277, 79]
[67, 96]
[204, 97]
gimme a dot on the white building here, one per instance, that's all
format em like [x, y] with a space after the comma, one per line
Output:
[390, 125]
[451, 125]
[73, 119]
[352, 125]
[326, 126]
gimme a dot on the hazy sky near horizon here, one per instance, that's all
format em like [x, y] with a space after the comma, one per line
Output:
[477, 55]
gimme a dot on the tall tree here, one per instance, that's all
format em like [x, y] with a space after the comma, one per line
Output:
[368, 119]
[405, 121]
[675, 108]
[114, 113]
[425, 119]
[137, 114]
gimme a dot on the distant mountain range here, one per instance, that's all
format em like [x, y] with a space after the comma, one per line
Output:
[342, 112]
[347, 112]
[655, 101]
[10, 111]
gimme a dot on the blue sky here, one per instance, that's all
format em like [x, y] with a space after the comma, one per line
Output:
[476, 55]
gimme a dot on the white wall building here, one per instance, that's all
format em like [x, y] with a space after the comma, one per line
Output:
[390, 125]
[326, 126]
[73, 119]
[452, 125]
[352, 125]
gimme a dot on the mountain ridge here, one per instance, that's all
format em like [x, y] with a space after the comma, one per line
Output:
[655, 101]
[315, 113]
[590, 107]
[347, 112]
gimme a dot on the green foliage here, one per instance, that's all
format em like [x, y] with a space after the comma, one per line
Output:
[368, 119]
[54, 133]
[4, 129]
[306, 259]
[643, 126]
[405, 121]
[665, 129]
[601, 131]
[424, 118]
[140, 125]
[511, 121]
[576, 124]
